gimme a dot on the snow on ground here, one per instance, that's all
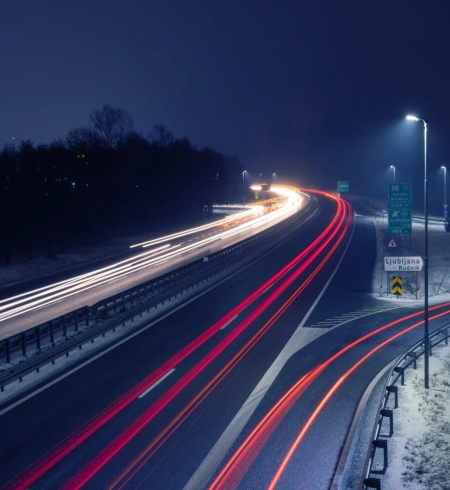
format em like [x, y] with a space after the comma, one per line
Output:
[419, 450]
[24, 269]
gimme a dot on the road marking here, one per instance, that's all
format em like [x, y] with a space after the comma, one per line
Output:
[297, 341]
[146, 327]
[226, 324]
[156, 383]
[265, 291]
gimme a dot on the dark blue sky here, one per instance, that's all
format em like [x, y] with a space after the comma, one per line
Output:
[312, 89]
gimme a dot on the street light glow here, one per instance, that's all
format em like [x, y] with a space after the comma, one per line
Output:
[412, 118]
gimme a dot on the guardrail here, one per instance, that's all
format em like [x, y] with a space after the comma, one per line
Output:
[29, 350]
[397, 373]
[430, 220]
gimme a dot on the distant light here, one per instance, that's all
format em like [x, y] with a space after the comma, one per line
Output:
[255, 187]
[443, 166]
[392, 166]
[412, 118]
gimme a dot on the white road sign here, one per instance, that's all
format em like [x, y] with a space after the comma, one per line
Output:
[403, 264]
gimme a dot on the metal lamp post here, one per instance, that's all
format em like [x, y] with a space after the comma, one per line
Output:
[393, 169]
[445, 186]
[425, 259]
[243, 186]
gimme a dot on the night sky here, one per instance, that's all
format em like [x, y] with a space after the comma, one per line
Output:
[313, 90]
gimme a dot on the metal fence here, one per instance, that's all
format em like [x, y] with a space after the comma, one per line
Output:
[31, 349]
[380, 441]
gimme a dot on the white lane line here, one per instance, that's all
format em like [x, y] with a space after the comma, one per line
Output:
[265, 290]
[156, 383]
[298, 340]
[226, 324]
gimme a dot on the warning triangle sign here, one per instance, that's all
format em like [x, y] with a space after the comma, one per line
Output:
[392, 244]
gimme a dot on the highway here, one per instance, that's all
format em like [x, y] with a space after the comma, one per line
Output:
[253, 385]
[24, 308]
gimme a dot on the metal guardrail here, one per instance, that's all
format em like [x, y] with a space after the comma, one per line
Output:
[397, 373]
[61, 335]
[430, 220]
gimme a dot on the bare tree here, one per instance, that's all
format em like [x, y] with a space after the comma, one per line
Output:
[112, 124]
[161, 136]
[82, 139]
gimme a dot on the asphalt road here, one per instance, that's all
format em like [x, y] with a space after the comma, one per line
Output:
[185, 437]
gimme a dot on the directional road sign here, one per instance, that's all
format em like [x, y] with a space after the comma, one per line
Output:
[399, 209]
[400, 194]
[343, 186]
[397, 286]
[400, 221]
[403, 264]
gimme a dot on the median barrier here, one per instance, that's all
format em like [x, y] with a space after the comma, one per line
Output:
[61, 335]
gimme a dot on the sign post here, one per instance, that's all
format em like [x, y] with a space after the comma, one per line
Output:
[343, 186]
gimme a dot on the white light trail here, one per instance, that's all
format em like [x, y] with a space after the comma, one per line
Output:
[254, 217]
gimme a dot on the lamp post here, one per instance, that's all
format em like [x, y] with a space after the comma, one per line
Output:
[425, 259]
[393, 169]
[445, 186]
[243, 185]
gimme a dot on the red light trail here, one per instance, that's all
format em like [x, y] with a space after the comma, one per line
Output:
[236, 468]
[34, 472]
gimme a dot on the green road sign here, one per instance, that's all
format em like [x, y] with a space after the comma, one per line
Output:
[400, 221]
[399, 194]
[399, 209]
[343, 186]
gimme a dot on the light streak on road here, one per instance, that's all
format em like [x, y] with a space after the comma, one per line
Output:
[49, 295]
[100, 460]
[145, 455]
[67, 446]
[251, 211]
[237, 466]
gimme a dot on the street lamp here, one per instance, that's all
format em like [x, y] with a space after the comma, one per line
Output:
[425, 259]
[243, 185]
[393, 169]
[445, 186]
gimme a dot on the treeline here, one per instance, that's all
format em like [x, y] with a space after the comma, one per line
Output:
[106, 177]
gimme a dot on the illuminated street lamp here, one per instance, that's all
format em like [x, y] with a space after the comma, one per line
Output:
[393, 169]
[445, 186]
[425, 259]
